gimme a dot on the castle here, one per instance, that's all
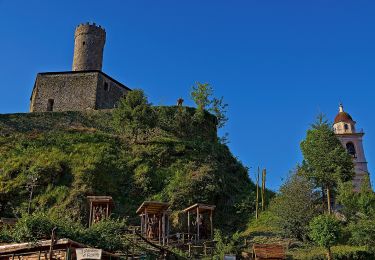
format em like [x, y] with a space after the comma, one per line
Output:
[86, 86]
[351, 139]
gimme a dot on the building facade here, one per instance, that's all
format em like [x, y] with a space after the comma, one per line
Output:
[86, 86]
[345, 129]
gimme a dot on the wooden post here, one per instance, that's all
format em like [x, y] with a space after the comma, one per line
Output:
[197, 224]
[167, 229]
[163, 228]
[160, 224]
[90, 220]
[188, 224]
[146, 224]
[211, 228]
[257, 196]
[263, 189]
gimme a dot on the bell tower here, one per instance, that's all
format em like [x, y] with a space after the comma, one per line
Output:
[351, 139]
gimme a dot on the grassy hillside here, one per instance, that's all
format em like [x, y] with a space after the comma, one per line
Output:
[76, 154]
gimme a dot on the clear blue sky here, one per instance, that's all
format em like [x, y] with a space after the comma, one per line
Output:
[277, 63]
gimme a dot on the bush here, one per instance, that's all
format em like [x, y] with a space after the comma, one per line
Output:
[363, 233]
[226, 245]
[295, 206]
[106, 234]
[325, 231]
[338, 253]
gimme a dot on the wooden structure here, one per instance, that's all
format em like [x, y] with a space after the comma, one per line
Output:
[100, 208]
[9, 222]
[62, 249]
[154, 221]
[201, 211]
[268, 251]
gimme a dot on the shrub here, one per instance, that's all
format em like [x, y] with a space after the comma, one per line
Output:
[325, 231]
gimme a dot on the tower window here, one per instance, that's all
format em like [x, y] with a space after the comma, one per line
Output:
[83, 43]
[351, 149]
[106, 86]
[50, 104]
[346, 126]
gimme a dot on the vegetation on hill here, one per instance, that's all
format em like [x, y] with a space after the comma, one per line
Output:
[64, 157]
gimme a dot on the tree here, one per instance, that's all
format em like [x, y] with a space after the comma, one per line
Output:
[218, 108]
[363, 233]
[357, 204]
[202, 95]
[295, 206]
[326, 162]
[348, 199]
[325, 231]
[134, 114]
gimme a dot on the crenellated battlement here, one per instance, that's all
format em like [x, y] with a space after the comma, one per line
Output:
[90, 28]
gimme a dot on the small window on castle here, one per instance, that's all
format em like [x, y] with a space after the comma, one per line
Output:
[83, 43]
[346, 127]
[106, 86]
[50, 104]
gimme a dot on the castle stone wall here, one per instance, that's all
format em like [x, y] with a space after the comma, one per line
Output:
[75, 91]
[108, 92]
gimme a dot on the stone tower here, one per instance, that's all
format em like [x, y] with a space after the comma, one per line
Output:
[86, 87]
[351, 139]
[89, 40]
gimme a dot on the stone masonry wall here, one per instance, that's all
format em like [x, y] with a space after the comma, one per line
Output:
[69, 92]
[75, 91]
[108, 92]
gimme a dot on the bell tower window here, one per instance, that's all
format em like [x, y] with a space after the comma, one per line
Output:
[351, 149]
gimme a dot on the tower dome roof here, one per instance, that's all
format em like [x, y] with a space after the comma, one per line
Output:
[342, 116]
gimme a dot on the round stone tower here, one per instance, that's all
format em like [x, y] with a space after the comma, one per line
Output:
[89, 40]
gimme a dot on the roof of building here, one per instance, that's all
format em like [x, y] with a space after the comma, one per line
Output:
[201, 207]
[152, 207]
[342, 116]
[100, 199]
[269, 251]
[39, 245]
[84, 71]
[80, 72]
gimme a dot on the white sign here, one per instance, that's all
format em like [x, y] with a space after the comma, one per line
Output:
[229, 257]
[88, 253]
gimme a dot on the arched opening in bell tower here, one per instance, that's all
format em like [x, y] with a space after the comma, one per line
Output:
[351, 149]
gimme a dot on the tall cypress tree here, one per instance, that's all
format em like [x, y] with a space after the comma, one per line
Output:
[326, 162]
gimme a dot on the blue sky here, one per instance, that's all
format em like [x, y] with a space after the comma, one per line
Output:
[277, 63]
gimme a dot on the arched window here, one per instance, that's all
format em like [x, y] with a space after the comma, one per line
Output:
[350, 148]
[346, 126]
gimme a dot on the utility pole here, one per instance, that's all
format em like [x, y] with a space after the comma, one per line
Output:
[257, 197]
[264, 172]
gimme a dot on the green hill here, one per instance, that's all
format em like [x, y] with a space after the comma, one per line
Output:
[76, 154]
